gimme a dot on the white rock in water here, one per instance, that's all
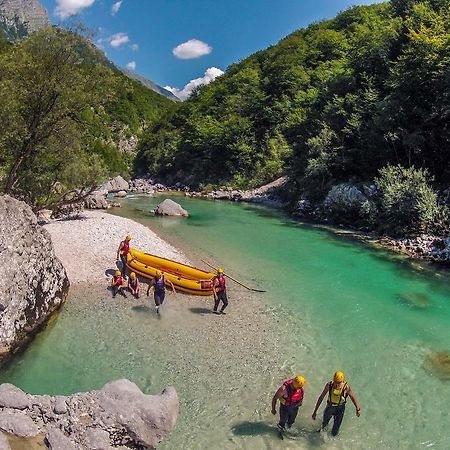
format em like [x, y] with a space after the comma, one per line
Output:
[121, 194]
[170, 208]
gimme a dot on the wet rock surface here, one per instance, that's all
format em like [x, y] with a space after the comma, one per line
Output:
[33, 283]
[170, 208]
[117, 416]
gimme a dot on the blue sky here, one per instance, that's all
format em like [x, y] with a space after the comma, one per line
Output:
[217, 32]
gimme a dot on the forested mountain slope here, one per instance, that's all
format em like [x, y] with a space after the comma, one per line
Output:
[333, 102]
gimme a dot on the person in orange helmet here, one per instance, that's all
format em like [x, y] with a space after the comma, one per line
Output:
[290, 394]
[118, 284]
[337, 390]
[134, 285]
[220, 291]
[122, 252]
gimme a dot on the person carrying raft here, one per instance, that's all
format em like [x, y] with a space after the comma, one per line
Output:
[219, 291]
[122, 252]
[338, 390]
[159, 289]
[133, 285]
[118, 284]
[291, 395]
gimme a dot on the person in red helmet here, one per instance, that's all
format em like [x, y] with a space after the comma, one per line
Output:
[290, 394]
[337, 390]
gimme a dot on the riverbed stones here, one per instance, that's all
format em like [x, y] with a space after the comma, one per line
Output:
[117, 416]
[13, 397]
[33, 283]
[170, 208]
[438, 364]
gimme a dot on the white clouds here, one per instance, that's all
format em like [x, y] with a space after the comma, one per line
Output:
[134, 47]
[115, 8]
[67, 8]
[118, 39]
[131, 65]
[210, 75]
[192, 49]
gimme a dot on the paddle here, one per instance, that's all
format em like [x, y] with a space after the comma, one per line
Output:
[236, 281]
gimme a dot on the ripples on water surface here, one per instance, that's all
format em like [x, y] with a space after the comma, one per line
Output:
[330, 304]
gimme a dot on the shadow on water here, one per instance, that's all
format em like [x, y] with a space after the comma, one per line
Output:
[200, 310]
[253, 429]
[143, 309]
[309, 436]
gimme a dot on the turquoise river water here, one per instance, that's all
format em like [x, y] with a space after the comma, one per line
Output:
[331, 303]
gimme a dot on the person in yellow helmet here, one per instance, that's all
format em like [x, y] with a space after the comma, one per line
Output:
[290, 394]
[219, 291]
[158, 283]
[122, 252]
[337, 390]
[118, 284]
[133, 285]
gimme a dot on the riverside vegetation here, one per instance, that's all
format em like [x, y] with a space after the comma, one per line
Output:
[65, 110]
[362, 98]
[355, 104]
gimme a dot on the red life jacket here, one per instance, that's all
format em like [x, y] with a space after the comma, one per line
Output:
[118, 281]
[125, 247]
[221, 286]
[294, 396]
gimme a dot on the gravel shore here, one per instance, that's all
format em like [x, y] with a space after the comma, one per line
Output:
[87, 246]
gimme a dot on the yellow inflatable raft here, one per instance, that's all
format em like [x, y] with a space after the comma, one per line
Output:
[185, 278]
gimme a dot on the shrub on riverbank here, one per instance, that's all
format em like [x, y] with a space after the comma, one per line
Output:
[407, 202]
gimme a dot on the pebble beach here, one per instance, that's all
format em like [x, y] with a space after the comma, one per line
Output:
[87, 245]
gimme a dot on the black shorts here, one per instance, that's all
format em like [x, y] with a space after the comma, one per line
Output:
[159, 297]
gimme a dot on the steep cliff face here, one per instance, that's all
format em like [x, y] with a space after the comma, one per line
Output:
[33, 282]
[18, 18]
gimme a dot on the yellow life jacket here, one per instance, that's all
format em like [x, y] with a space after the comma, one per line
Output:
[337, 397]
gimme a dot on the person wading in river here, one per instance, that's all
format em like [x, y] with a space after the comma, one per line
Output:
[291, 395]
[159, 289]
[122, 252]
[220, 291]
[337, 390]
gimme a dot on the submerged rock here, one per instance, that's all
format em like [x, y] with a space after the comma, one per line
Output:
[170, 208]
[415, 299]
[33, 283]
[438, 364]
[117, 416]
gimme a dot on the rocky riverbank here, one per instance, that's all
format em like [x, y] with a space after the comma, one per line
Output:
[119, 416]
[87, 245]
[33, 283]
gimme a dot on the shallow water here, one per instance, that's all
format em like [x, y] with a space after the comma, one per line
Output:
[331, 303]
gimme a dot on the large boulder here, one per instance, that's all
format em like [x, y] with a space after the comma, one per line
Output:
[115, 185]
[117, 416]
[97, 200]
[33, 282]
[170, 208]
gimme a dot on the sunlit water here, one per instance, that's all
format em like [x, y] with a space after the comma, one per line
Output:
[331, 303]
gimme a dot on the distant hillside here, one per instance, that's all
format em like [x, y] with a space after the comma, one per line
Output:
[330, 103]
[151, 85]
[18, 18]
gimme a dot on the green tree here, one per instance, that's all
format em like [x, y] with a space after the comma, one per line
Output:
[47, 148]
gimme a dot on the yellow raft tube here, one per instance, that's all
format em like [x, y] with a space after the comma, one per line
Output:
[185, 278]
